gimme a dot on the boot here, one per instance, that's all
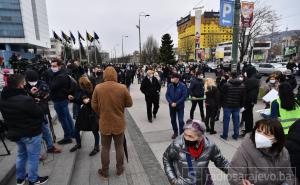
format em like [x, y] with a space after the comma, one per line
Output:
[76, 147]
[95, 151]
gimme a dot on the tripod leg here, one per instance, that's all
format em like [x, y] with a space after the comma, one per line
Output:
[8, 152]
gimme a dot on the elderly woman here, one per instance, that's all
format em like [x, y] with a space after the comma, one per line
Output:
[262, 158]
[186, 159]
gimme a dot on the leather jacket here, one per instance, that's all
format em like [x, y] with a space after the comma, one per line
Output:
[176, 165]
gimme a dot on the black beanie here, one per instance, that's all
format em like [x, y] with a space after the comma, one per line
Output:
[32, 76]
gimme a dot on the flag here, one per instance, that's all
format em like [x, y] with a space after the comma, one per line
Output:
[56, 37]
[96, 37]
[80, 36]
[89, 37]
[81, 48]
[65, 36]
[72, 37]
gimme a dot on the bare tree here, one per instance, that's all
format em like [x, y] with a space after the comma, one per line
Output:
[150, 53]
[264, 22]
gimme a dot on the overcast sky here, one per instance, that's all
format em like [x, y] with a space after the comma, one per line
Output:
[113, 18]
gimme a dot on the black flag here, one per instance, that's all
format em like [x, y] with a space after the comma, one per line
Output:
[72, 37]
[80, 36]
[56, 37]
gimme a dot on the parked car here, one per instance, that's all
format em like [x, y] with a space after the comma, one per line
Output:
[269, 68]
[211, 67]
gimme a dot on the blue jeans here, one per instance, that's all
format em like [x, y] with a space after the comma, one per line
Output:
[180, 114]
[28, 154]
[65, 118]
[47, 135]
[236, 121]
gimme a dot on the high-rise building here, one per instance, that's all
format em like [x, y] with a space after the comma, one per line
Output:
[23, 27]
[211, 34]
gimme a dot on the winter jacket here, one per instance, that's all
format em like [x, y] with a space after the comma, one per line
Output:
[293, 146]
[150, 89]
[176, 94]
[196, 88]
[87, 119]
[176, 165]
[59, 85]
[259, 167]
[109, 101]
[212, 97]
[252, 85]
[23, 116]
[233, 94]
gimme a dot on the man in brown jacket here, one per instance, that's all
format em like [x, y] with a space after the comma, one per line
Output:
[110, 100]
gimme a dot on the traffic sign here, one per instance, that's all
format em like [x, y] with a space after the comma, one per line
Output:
[226, 13]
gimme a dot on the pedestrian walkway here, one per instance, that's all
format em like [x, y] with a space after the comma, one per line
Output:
[158, 134]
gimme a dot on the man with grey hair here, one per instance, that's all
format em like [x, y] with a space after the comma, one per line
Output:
[192, 149]
[150, 87]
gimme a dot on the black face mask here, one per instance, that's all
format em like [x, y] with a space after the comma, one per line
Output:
[99, 73]
[190, 143]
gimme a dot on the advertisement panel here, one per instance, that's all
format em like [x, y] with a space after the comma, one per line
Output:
[247, 11]
[197, 33]
[291, 50]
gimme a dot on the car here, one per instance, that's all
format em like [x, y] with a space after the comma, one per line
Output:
[269, 68]
[211, 67]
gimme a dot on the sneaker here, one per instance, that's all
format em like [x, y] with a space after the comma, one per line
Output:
[74, 148]
[174, 136]
[20, 181]
[64, 141]
[221, 136]
[102, 174]
[40, 180]
[54, 150]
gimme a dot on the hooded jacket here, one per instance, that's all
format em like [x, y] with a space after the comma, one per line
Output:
[258, 167]
[252, 85]
[109, 101]
[22, 115]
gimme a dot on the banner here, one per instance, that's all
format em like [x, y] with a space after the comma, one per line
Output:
[197, 33]
[247, 14]
[226, 13]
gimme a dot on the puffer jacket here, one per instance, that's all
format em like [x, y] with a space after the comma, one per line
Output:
[176, 165]
[233, 94]
[258, 167]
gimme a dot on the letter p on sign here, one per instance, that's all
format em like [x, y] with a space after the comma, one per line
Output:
[227, 8]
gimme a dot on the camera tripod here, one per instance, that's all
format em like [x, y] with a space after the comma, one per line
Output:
[2, 139]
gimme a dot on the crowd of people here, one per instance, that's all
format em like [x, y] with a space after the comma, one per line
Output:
[100, 94]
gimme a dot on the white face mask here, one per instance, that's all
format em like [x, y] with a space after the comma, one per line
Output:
[262, 141]
[54, 69]
[32, 83]
[245, 74]
[272, 81]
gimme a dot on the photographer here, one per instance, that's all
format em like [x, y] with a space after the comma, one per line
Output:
[40, 91]
[24, 118]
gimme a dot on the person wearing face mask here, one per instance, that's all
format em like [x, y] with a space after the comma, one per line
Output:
[196, 91]
[290, 78]
[262, 158]
[186, 160]
[150, 87]
[176, 95]
[40, 91]
[59, 85]
[97, 76]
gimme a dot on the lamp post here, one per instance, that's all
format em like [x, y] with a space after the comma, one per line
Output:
[142, 14]
[123, 36]
[235, 39]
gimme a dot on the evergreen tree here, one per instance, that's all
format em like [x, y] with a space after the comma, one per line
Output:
[166, 50]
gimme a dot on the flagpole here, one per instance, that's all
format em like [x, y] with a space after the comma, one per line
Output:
[95, 52]
[88, 56]
[79, 48]
[72, 53]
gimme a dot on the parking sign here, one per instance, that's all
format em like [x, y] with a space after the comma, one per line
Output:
[226, 13]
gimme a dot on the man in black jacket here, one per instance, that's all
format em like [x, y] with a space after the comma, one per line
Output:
[252, 84]
[60, 89]
[24, 119]
[151, 89]
[196, 91]
[233, 100]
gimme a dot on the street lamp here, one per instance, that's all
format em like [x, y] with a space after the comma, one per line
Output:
[115, 52]
[142, 14]
[123, 36]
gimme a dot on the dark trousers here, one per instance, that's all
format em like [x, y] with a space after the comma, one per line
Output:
[106, 143]
[211, 113]
[149, 102]
[180, 114]
[194, 104]
[248, 117]
[78, 139]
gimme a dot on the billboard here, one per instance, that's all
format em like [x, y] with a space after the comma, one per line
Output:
[226, 13]
[291, 50]
[247, 10]
[197, 32]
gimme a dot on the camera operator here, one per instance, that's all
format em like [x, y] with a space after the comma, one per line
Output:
[40, 91]
[24, 118]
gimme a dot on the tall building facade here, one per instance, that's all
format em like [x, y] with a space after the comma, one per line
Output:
[23, 26]
[211, 34]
